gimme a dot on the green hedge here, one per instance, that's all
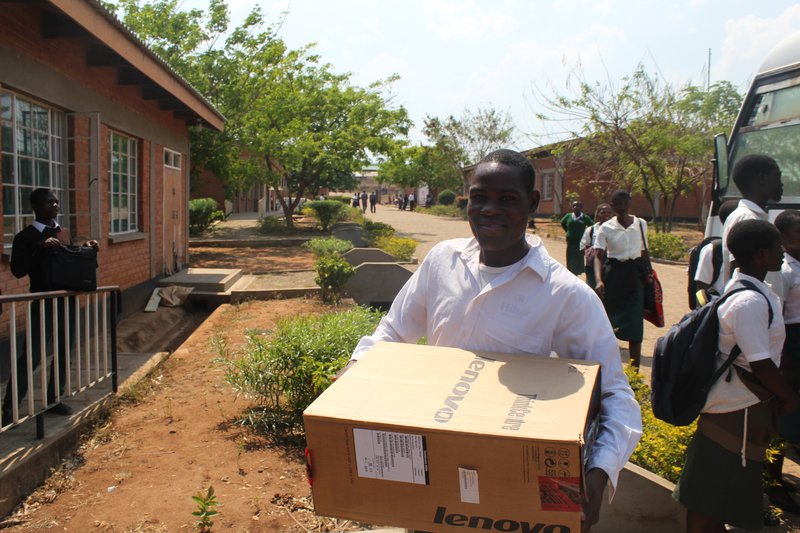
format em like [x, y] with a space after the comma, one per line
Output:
[328, 246]
[666, 246]
[447, 197]
[326, 211]
[201, 211]
[402, 248]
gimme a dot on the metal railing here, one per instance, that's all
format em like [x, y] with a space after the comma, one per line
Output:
[69, 338]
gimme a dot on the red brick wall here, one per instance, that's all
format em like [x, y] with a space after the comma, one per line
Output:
[208, 185]
[121, 263]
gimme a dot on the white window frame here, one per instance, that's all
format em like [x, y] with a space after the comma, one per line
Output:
[547, 185]
[172, 159]
[123, 183]
[33, 138]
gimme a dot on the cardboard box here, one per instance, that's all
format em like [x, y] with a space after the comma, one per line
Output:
[442, 439]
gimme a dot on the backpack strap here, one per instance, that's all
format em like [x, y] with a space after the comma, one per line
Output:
[736, 351]
[716, 259]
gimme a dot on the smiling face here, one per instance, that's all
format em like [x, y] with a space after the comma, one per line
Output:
[498, 208]
[604, 213]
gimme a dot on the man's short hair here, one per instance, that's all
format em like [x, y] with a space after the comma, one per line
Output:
[726, 208]
[516, 160]
[788, 220]
[748, 168]
[747, 237]
[38, 196]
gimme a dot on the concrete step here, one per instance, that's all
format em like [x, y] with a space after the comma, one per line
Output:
[204, 279]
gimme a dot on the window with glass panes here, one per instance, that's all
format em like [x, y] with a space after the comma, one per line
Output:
[32, 150]
[122, 182]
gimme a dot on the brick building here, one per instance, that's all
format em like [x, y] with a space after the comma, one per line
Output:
[92, 113]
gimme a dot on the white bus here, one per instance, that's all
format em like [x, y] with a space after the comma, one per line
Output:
[768, 123]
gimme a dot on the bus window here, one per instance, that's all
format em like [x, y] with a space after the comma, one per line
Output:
[772, 128]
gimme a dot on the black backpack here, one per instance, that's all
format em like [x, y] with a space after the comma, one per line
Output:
[684, 360]
[694, 257]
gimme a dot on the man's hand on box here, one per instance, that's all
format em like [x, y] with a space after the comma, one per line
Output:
[596, 481]
[344, 369]
[92, 244]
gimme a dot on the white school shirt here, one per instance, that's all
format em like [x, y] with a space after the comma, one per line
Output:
[589, 236]
[536, 306]
[705, 268]
[743, 320]
[745, 210]
[619, 242]
[790, 272]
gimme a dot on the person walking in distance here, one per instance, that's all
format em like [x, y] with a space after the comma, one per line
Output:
[575, 224]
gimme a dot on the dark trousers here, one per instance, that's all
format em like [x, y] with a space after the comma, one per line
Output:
[48, 339]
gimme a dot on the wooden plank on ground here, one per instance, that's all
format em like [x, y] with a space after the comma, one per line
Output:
[152, 303]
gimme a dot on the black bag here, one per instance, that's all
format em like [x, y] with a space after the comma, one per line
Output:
[684, 360]
[694, 258]
[70, 268]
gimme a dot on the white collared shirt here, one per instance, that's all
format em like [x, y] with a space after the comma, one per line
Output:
[619, 242]
[744, 321]
[38, 225]
[705, 269]
[590, 236]
[536, 306]
[790, 272]
[746, 210]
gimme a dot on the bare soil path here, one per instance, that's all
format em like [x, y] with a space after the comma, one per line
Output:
[175, 438]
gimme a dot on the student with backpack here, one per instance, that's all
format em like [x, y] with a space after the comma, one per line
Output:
[705, 262]
[721, 479]
[602, 214]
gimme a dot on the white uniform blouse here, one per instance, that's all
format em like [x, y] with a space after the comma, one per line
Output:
[622, 243]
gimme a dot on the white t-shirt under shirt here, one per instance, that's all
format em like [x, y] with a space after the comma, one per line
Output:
[744, 321]
[619, 242]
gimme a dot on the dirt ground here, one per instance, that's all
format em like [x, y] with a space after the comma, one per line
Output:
[254, 260]
[176, 436]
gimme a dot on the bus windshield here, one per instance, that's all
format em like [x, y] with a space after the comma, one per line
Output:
[772, 128]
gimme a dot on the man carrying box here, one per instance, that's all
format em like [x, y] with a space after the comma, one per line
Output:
[501, 292]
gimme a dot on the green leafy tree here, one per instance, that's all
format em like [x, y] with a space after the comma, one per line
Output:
[292, 123]
[644, 135]
[417, 165]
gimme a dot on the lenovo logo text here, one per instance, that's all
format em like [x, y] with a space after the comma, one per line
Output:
[460, 389]
[497, 524]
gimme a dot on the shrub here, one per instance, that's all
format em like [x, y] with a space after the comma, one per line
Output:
[328, 246]
[219, 214]
[662, 448]
[332, 271]
[462, 201]
[271, 224]
[355, 215]
[666, 246]
[451, 211]
[376, 230]
[200, 211]
[326, 211]
[284, 373]
[402, 248]
[447, 197]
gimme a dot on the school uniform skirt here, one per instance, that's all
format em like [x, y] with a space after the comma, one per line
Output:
[714, 482]
[790, 424]
[624, 297]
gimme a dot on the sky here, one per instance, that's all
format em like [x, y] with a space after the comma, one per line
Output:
[457, 54]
